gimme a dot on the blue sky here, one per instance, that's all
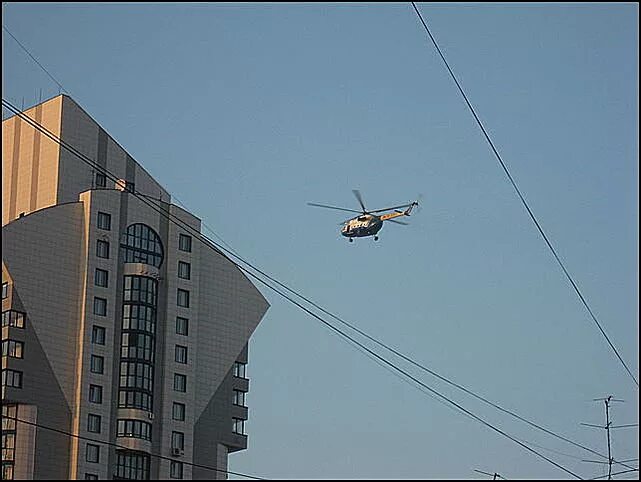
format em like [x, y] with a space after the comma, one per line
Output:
[246, 112]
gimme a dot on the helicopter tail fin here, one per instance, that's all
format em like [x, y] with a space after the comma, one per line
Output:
[410, 207]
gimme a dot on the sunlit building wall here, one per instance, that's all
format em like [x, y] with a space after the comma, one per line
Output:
[124, 338]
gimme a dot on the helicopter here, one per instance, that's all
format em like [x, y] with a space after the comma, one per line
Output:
[368, 223]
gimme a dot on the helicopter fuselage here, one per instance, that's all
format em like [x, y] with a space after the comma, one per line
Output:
[361, 226]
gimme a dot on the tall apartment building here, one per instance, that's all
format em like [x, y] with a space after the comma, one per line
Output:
[118, 325]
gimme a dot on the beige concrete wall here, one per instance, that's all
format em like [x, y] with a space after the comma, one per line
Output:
[42, 253]
[51, 256]
[30, 161]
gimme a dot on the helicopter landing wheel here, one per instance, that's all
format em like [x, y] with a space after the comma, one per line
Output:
[375, 238]
[351, 240]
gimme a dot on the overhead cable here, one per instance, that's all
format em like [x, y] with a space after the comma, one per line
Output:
[523, 201]
[220, 249]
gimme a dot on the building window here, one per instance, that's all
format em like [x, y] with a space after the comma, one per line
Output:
[12, 348]
[93, 453]
[184, 270]
[178, 412]
[139, 346]
[13, 318]
[181, 354]
[89, 476]
[99, 306]
[131, 465]
[176, 470]
[134, 428]
[184, 243]
[132, 398]
[5, 291]
[177, 440]
[238, 426]
[240, 370]
[93, 423]
[140, 289]
[97, 364]
[180, 382]
[139, 317]
[141, 244]
[102, 278]
[104, 221]
[95, 393]
[183, 298]
[102, 249]
[9, 414]
[11, 378]
[136, 375]
[101, 179]
[239, 398]
[182, 326]
[98, 335]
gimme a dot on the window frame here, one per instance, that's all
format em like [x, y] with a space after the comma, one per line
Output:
[95, 392]
[184, 243]
[186, 325]
[104, 221]
[101, 179]
[174, 473]
[101, 278]
[99, 360]
[182, 350]
[183, 378]
[97, 452]
[177, 440]
[17, 378]
[181, 408]
[183, 299]
[94, 422]
[102, 247]
[99, 306]
[98, 335]
[13, 348]
[184, 270]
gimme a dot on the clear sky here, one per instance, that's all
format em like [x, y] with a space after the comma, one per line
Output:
[246, 112]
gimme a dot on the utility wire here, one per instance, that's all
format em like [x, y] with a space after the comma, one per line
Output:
[217, 248]
[616, 473]
[383, 345]
[111, 444]
[409, 360]
[60, 87]
[518, 191]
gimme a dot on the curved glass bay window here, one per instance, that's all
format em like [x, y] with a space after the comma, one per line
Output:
[140, 244]
[131, 465]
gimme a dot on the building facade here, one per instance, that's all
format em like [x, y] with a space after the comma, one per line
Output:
[124, 337]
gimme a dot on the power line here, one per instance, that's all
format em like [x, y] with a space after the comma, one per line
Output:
[518, 191]
[210, 243]
[616, 473]
[494, 475]
[392, 350]
[111, 444]
[60, 87]
[418, 365]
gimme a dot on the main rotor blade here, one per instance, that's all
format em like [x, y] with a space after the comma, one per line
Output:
[397, 222]
[392, 208]
[333, 207]
[357, 193]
